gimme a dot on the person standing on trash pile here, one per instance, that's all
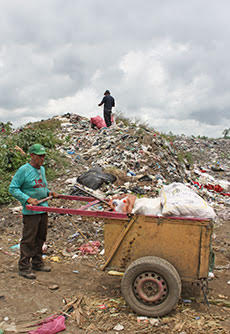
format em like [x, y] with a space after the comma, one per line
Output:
[108, 102]
[28, 186]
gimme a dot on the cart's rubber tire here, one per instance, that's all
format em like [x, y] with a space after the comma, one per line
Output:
[159, 279]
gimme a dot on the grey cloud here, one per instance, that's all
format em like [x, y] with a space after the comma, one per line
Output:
[209, 116]
[178, 58]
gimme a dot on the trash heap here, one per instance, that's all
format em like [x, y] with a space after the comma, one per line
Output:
[211, 154]
[211, 170]
[142, 160]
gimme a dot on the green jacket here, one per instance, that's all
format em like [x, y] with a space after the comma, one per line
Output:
[28, 182]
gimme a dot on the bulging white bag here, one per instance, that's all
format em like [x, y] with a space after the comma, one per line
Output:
[179, 200]
[147, 206]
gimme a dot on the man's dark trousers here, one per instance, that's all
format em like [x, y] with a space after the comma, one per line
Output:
[33, 237]
[107, 117]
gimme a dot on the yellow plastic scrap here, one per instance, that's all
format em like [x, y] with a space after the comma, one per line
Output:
[55, 259]
[115, 273]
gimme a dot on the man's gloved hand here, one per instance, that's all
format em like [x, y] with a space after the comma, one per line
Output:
[53, 194]
[32, 201]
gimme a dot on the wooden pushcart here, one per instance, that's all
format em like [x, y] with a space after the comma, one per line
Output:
[157, 254]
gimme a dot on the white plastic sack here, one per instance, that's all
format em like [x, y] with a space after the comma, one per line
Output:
[147, 206]
[179, 200]
[206, 178]
[224, 184]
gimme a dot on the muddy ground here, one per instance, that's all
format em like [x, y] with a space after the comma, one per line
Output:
[77, 277]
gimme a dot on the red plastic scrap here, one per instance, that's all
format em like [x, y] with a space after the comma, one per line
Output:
[102, 307]
[90, 248]
[217, 188]
[197, 184]
[51, 326]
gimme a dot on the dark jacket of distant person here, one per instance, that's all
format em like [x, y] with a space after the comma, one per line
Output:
[108, 102]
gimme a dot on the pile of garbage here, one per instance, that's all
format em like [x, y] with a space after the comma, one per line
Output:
[128, 158]
[139, 156]
[210, 174]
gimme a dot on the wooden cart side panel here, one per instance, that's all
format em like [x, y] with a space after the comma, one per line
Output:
[206, 234]
[179, 242]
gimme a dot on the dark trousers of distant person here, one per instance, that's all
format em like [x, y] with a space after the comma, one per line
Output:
[107, 117]
[33, 237]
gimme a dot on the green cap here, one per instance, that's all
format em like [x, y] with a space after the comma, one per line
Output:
[37, 149]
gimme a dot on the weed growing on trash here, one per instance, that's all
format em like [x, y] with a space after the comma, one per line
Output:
[182, 156]
[47, 125]
[169, 137]
[226, 133]
[121, 118]
[5, 197]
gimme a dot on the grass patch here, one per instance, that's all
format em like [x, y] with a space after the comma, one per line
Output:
[50, 124]
[120, 118]
[11, 158]
[182, 156]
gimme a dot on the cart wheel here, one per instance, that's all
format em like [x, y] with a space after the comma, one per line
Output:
[151, 286]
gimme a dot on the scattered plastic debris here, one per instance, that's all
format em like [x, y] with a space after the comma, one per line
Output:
[118, 327]
[53, 287]
[115, 273]
[90, 248]
[55, 259]
[102, 306]
[15, 247]
[51, 326]
[187, 301]
[142, 319]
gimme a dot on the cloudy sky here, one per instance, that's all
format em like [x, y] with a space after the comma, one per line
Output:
[166, 62]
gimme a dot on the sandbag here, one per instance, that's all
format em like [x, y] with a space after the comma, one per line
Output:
[95, 177]
[98, 122]
[179, 200]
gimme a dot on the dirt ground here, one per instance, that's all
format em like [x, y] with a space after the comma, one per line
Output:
[100, 305]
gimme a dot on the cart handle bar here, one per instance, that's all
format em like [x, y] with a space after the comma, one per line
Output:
[77, 198]
[72, 198]
[103, 214]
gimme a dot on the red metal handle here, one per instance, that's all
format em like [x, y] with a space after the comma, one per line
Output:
[44, 199]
